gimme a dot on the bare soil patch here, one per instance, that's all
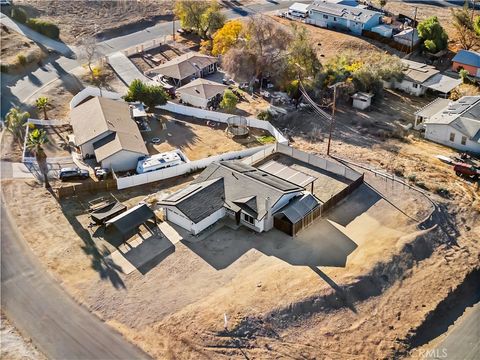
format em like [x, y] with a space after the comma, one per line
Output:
[195, 138]
[78, 19]
[13, 45]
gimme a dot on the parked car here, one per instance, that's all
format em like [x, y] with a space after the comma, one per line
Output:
[101, 173]
[73, 173]
[467, 170]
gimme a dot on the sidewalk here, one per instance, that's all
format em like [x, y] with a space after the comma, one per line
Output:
[35, 36]
[125, 69]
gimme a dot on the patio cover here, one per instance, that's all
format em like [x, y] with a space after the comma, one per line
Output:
[299, 207]
[442, 83]
[129, 221]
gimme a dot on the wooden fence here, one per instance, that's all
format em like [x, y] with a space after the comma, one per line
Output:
[67, 190]
[335, 199]
[388, 41]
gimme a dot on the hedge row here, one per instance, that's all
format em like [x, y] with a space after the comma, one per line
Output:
[44, 27]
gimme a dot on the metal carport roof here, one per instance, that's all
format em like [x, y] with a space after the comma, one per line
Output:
[130, 220]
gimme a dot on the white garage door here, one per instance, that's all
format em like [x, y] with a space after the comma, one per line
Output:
[179, 220]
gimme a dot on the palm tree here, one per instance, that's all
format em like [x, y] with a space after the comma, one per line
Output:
[15, 121]
[36, 139]
[42, 103]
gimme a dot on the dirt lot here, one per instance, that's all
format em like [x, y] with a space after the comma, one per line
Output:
[196, 139]
[338, 42]
[14, 44]
[78, 19]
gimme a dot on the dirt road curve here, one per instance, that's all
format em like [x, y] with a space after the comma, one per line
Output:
[60, 328]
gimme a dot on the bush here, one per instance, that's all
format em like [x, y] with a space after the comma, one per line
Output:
[22, 60]
[463, 75]
[44, 27]
[433, 35]
[229, 100]
[19, 15]
[265, 115]
[430, 46]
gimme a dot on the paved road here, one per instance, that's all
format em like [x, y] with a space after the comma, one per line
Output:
[463, 342]
[16, 91]
[37, 306]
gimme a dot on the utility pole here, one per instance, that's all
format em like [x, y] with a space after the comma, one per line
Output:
[173, 22]
[413, 28]
[332, 122]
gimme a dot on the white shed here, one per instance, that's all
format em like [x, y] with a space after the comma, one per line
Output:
[362, 100]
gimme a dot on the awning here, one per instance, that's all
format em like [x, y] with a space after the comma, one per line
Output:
[442, 83]
[107, 212]
[130, 220]
[296, 209]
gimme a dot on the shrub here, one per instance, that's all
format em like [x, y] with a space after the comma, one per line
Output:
[19, 15]
[430, 46]
[464, 75]
[265, 115]
[44, 27]
[22, 60]
[229, 100]
[431, 32]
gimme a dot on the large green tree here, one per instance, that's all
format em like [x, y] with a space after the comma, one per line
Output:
[150, 95]
[201, 16]
[37, 138]
[432, 34]
[229, 100]
[301, 54]
[15, 122]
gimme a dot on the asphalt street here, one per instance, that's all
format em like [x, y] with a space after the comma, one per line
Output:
[463, 342]
[39, 308]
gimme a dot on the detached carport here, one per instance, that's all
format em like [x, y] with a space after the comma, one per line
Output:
[127, 224]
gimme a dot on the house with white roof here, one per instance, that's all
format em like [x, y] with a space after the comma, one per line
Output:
[334, 15]
[454, 124]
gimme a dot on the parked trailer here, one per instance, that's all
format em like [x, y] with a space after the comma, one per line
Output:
[158, 161]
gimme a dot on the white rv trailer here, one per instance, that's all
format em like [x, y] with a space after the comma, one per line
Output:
[158, 161]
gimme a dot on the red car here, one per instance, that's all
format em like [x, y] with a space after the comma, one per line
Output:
[466, 170]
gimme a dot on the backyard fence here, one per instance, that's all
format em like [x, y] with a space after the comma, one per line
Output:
[65, 191]
[182, 169]
[222, 117]
[319, 162]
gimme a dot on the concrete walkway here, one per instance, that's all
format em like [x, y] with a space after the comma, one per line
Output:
[125, 69]
[36, 37]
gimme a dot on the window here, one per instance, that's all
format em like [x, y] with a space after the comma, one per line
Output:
[464, 140]
[325, 16]
[248, 219]
[415, 86]
[334, 19]
[452, 137]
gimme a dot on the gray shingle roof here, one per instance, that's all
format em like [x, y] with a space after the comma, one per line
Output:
[347, 12]
[184, 65]
[418, 72]
[198, 201]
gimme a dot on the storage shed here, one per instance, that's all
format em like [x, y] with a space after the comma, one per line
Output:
[384, 30]
[362, 100]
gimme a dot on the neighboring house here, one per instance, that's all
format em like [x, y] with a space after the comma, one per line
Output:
[406, 37]
[250, 196]
[187, 66]
[419, 77]
[468, 60]
[201, 92]
[104, 129]
[425, 113]
[336, 16]
[457, 125]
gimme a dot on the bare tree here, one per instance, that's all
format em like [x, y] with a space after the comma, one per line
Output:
[89, 50]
